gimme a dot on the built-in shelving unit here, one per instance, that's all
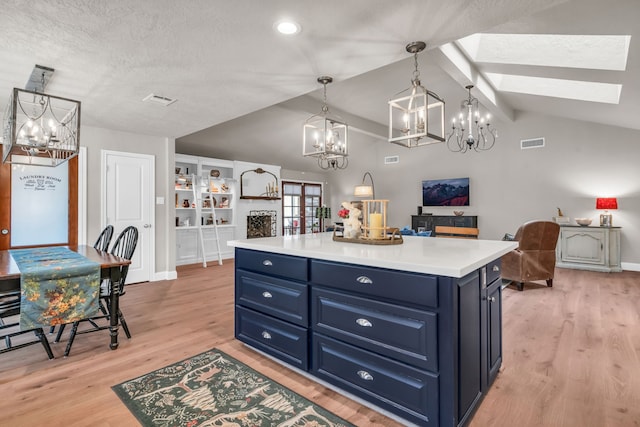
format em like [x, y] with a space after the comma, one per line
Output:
[205, 205]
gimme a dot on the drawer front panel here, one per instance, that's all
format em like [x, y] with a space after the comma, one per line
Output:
[494, 270]
[401, 333]
[286, 266]
[280, 298]
[399, 388]
[280, 339]
[413, 288]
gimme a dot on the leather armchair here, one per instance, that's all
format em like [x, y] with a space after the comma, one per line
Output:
[535, 257]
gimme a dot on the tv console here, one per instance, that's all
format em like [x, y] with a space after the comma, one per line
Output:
[429, 222]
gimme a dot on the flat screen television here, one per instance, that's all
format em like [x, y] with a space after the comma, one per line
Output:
[445, 192]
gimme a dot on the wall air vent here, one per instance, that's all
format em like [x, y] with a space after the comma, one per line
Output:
[160, 100]
[389, 160]
[531, 143]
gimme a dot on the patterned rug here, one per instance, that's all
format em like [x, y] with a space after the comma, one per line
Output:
[214, 389]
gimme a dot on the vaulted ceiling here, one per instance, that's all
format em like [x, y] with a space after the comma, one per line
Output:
[248, 89]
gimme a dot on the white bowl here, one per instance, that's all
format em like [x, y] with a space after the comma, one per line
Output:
[583, 221]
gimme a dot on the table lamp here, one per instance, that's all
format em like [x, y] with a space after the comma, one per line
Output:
[606, 203]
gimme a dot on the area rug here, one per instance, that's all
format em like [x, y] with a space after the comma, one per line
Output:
[214, 389]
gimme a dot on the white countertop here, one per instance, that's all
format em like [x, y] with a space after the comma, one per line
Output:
[441, 256]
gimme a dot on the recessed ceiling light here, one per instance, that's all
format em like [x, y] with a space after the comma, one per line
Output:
[287, 27]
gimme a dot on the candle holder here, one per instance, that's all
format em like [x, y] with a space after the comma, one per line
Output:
[374, 219]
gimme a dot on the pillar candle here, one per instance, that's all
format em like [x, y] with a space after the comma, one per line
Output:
[375, 226]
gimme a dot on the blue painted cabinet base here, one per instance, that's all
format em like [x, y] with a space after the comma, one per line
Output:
[423, 347]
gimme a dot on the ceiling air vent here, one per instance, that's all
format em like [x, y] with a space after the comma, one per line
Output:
[160, 100]
[389, 160]
[531, 143]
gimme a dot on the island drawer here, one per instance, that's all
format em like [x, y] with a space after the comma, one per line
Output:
[394, 386]
[402, 333]
[283, 340]
[289, 267]
[413, 288]
[494, 270]
[281, 298]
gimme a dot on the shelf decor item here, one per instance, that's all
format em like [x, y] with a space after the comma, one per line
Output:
[583, 221]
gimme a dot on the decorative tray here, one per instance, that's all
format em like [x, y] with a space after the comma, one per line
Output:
[393, 238]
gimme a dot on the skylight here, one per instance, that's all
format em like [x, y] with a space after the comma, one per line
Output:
[596, 52]
[570, 89]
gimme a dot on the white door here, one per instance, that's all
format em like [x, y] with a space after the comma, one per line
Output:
[128, 192]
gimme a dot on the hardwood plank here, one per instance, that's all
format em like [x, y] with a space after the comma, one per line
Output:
[571, 355]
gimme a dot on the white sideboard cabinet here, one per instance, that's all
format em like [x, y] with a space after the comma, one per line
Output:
[589, 248]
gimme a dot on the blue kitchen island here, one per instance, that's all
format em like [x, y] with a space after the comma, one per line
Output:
[414, 329]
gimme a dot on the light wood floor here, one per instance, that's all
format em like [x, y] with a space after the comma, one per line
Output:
[571, 356]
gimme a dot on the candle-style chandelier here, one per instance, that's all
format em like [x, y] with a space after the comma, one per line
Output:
[478, 134]
[40, 129]
[325, 136]
[416, 115]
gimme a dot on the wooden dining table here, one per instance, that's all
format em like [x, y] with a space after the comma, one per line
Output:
[110, 266]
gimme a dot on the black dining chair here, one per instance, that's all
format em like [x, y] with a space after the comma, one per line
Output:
[9, 324]
[124, 247]
[104, 239]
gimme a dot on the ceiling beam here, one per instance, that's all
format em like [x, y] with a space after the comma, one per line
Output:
[453, 61]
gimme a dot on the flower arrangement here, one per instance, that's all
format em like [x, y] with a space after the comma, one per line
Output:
[343, 213]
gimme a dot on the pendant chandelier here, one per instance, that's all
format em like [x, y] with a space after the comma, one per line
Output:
[478, 134]
[325, 137]
[416, 115]
[40, 129]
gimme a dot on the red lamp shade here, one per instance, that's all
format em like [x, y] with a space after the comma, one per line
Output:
[606, 203]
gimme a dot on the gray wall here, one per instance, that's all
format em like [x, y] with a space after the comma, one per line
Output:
[510, 186]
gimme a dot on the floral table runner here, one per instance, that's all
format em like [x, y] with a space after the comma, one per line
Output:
[57, 285]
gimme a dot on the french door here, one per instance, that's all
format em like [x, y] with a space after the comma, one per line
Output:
[299, 203]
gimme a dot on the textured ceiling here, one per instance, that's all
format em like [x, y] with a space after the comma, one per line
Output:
[222, 60]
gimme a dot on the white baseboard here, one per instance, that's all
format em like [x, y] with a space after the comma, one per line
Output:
[630, 266]
[165, 275]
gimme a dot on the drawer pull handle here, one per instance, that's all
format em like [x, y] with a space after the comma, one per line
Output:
[267, 294]
[267, 262]
[364, 279]
[364, 322]
[496, 268]
[266, 335]
[365, 375]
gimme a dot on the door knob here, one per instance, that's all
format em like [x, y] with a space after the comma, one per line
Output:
[4, 231]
